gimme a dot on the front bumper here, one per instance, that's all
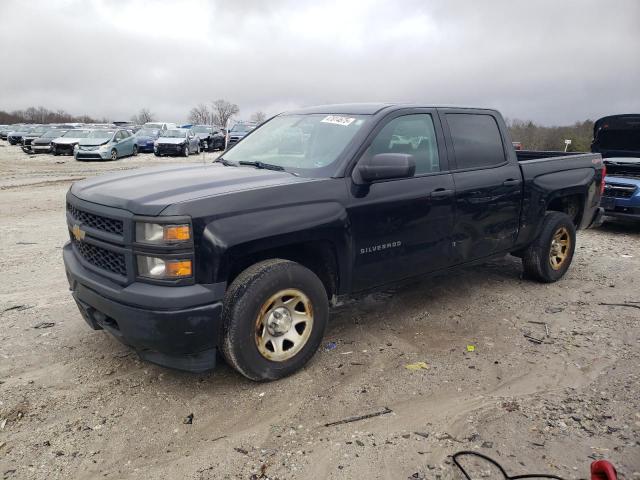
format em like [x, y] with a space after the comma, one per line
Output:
[145, 146]
[169, 149]
[93, 154]
[176, 327]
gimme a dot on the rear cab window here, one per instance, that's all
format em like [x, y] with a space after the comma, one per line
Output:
[476, 139]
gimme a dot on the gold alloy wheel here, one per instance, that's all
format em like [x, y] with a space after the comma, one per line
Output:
[284, 325]
[560, 248]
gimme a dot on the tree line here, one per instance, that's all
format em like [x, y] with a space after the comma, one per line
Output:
[538, 137]
[220, 112]
[43, 115]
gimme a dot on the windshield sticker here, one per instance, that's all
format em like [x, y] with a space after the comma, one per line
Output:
[338, 120]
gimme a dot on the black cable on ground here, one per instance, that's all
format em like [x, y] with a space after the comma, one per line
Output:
[497, 465]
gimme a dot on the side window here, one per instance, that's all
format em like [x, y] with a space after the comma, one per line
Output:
[476, 140]
[411, 134]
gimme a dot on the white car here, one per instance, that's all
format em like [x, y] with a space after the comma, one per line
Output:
[65, 144]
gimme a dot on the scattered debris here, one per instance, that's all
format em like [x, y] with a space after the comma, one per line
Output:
[533, 339]
[417, 366]
[26, 243]
[188, 420]
[553, 310]
[360, 417]
[18, 307]
[471, 348]
[44, 325]
[422, 434]
[241, 450]
[629, 304]
[330, 346]
[487, 445]
[3, 423]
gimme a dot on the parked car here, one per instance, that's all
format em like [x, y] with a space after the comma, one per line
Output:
[15, 137]
[42, 144]
[35, 132]
[66, 143]
[106, 144]
[211, 138]
[160, 125]
[246, 255]
[178, 141]
[4, 132]
[145, 139]
[617, 139]
[238, 132]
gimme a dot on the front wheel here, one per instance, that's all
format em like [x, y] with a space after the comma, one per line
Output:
[135, 150]
[185, 152]
[548, 258]
[114, 154]
[274, 317]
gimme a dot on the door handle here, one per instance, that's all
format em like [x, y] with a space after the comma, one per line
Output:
[511, 182]
[441, 193]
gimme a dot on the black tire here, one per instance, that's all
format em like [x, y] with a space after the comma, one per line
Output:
[54, 150]
[135, 151]
[114, 154]
[242, 303]
[537, 257]
[156, 154]
[185, 152]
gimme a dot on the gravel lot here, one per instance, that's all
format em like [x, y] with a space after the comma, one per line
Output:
[75, 403]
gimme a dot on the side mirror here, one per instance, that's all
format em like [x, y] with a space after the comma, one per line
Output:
[386, 166]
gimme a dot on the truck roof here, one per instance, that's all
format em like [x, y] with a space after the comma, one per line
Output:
[369, 108]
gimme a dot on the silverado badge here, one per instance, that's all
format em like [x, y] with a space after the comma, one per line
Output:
[78, 233]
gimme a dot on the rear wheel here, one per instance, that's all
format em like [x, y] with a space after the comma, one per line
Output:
[274, 317]
[548, 258]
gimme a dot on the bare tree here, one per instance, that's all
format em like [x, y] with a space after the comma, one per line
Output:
[223, 111]
[201, 115]
[143, 116]
[258, 117]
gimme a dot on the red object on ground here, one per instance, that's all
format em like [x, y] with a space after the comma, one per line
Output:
[603, 470]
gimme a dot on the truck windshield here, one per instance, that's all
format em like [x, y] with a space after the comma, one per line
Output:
[304, 144]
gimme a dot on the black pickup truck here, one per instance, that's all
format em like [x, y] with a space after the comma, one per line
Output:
[246, 255]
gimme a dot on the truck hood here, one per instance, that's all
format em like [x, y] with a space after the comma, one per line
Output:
[148, 191]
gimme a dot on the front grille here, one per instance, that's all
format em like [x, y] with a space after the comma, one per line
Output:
[106, 224]
[619, 191]
[89, 156]
[105, 259]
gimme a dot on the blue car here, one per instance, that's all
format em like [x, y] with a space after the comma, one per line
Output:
[617, 139]
[106, 144]
[145, 138]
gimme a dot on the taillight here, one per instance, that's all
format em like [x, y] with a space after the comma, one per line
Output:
[604, 174]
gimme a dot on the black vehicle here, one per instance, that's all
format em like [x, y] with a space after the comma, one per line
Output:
[6, 129]
[15, 137]
[177, 141]
[42, 144]
[36, 132]
[246, 255]
[211, 138]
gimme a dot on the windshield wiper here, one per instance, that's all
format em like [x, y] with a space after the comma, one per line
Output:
[226, 163]
[266, 166]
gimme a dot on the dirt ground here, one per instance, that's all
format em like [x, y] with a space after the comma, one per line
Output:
[75, 403]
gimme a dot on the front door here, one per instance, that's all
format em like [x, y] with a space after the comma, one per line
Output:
[402, 227]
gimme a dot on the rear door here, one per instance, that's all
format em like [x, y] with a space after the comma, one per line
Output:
[488, 184]
[402, 227]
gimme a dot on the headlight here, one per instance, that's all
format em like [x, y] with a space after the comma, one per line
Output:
[157, 233]
[162, 269]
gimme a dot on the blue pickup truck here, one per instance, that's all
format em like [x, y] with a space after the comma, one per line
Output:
[617, 139]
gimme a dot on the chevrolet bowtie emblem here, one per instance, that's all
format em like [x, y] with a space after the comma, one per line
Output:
[78, 233]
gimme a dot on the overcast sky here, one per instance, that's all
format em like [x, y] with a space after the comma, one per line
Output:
[554, 62]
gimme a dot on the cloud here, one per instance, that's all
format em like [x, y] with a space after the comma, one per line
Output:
[553, 62]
